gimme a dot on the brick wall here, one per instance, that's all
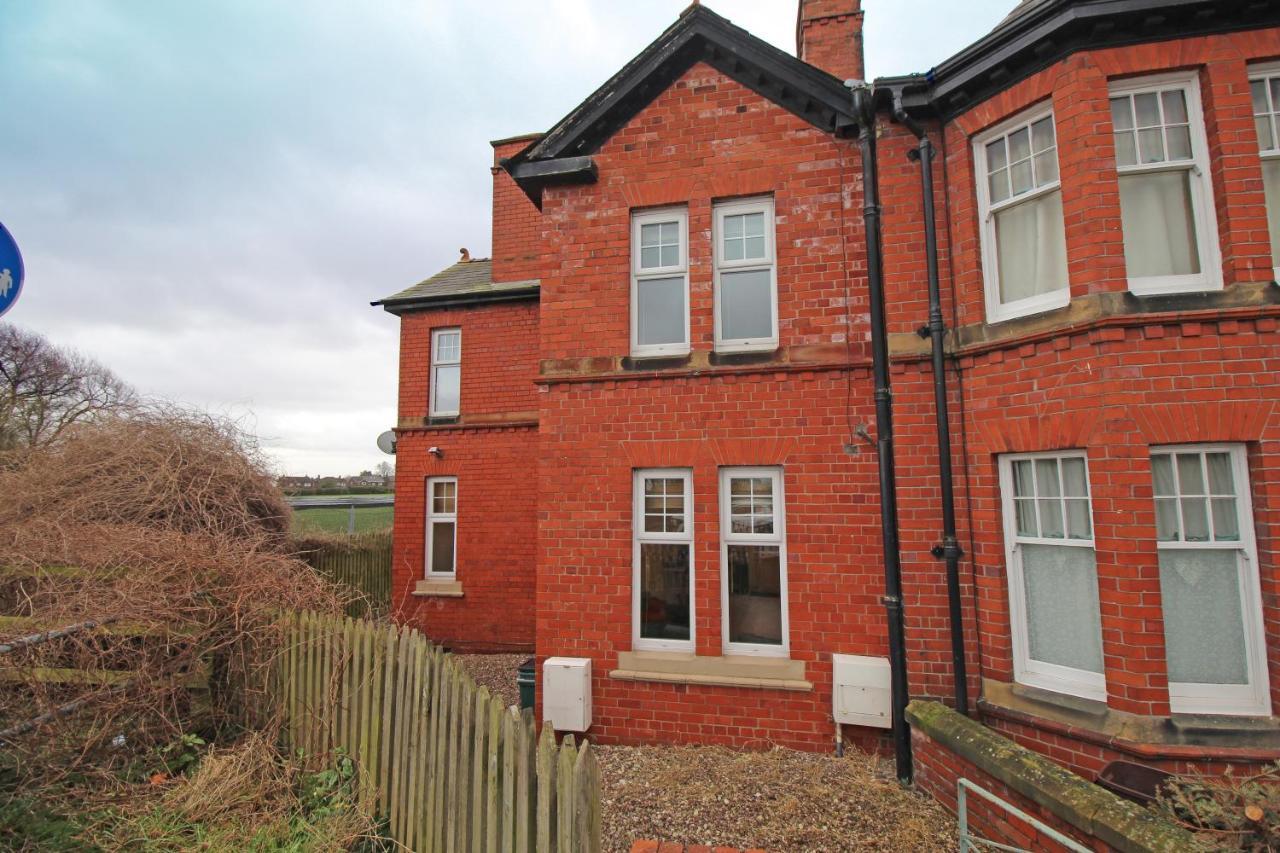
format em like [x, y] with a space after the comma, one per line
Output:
[829, 35]
[518, 248]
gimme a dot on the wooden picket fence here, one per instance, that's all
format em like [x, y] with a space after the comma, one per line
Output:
[363, 563]
[454, 770]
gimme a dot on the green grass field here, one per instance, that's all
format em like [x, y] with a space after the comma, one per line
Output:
[334, 519]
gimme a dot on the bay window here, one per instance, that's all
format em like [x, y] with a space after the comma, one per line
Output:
[442, 527]
[753, 557]
[746, 284]
[1209, 581]
[1053, 575]
[1166, 197]
[1264, 84]
[660, 283]
[662, 573]
[446, 372]
[1024, 244]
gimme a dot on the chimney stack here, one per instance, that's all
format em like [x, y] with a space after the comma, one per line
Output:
[829, 36]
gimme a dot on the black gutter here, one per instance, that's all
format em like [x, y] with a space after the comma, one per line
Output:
[864, 107]
[936, 331]
[425, 303]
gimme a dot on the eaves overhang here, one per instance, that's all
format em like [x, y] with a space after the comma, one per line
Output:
[563, 154]
[399, 307]
[1047, 32]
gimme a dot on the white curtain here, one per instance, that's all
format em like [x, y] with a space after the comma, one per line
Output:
[1203, 623]
[1159, 224]
[1064, 626]
[1032, 246]
[1271, 182]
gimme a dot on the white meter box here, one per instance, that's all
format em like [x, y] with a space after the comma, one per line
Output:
[862, 691]
[566, 694]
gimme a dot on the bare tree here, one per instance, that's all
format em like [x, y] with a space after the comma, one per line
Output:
[44, 389]
[385, 470]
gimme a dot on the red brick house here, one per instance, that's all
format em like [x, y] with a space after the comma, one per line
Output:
[648, 433]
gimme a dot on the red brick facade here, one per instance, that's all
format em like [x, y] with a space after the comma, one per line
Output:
[557, 415]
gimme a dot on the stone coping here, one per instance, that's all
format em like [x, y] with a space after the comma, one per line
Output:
[1093, 810]
[724, 671]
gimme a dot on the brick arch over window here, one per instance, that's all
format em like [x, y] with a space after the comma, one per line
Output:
[1184, 423]
[1028, 435]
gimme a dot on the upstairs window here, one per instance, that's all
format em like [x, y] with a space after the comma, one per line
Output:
[662, 581]
[1024, 244]
[1053, 573]
[746, 289]
[1264, 83]
[446, 372]
[442, 527]
[754, 556]
[1209, 586]
[660, 283]
[1166, 199]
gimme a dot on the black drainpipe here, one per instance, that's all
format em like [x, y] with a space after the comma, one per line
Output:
[864, 107]
[950, 549]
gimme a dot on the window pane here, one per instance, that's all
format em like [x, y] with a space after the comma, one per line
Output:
[442, 546]
[660, 313]
[1046, 167]
[651, 234]
[1126, 149]
[1023, 482]
[1221, 480]
[753, 225]
[1190, 474]
[1258, 89]
[1047, 484]
[1122, 113]
[1175, 107]
[670, 233]
[733, 227]
[1271, 183]
[650, 257]
[1019, 145]
[1078, 523]
[1265, 138]
[1159, 224]
[996, 157]
[1073, 478]
[754, 247]
[1031, 248]
[448, 387]
[1042, 134]
[1226, 521]
[746, 304]
[448, 346]
[1026, 517]
[670, 256]
[755, 594]
[1051, 519]
[443, 498]
[1147, 108]
[1162, 469]
[1195, 520]
[664, 591]
[1020, 174]
[1167, 519]
[999, 185]
[1203, 625]
[1063, 624]
[1150, 146]
[1275, 93]
[1179, 140]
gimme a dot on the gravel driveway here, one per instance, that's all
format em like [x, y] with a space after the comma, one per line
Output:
[497, 672]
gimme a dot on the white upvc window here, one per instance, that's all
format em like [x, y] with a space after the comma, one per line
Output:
[1166, 195]
[1264, 84]
[442, 527]
[446, 372]
[660, 282]
[1024, 243]
[1209, 586]
[662, 577]
[753, 558]
[1053, 574]
[746, 276]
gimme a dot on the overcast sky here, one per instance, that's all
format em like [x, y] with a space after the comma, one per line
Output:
[209, 193]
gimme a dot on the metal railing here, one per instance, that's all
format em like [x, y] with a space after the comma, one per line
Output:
[351, 502]
[969, 842]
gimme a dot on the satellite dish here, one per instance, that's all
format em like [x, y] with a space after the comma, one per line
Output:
[387, 443]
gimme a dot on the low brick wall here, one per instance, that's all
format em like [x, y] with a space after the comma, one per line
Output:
[949, 747]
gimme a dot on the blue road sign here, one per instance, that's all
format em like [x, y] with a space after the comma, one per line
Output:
[11, 270]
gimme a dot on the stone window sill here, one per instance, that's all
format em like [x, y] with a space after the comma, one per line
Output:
[726, 671]
[438, 589]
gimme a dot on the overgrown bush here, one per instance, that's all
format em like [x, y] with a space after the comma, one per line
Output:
[1227, 812]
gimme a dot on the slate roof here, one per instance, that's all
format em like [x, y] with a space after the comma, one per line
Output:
[464, 282]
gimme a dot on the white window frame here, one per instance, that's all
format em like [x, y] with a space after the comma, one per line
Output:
[1026, 670]
[1269, 71]
[639, 536]
[778, 538]
[437, 363]
[769, 262]
[679, 215]
[1254, 698]
[432, 517]
[1202, 200]
[998, 311]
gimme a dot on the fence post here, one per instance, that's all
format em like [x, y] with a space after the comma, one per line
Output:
[546, 790]
[586, 784]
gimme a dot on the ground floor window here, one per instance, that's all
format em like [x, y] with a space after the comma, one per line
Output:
[1209, 581]
[1053, 575]
[754, 559]
[442, 526]
[662, 581]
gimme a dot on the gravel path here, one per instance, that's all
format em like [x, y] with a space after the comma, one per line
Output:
[497, 672]
[781, 800]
